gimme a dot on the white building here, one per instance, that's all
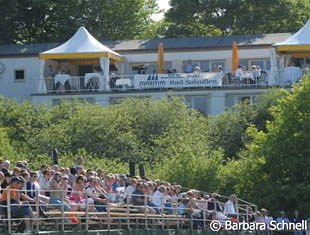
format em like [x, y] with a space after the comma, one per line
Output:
[20, 71]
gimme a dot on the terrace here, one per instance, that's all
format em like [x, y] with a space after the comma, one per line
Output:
[96, 82]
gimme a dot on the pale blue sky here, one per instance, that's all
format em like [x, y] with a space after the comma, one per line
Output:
[163, 4]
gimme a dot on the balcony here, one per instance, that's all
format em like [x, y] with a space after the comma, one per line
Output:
[95, 82]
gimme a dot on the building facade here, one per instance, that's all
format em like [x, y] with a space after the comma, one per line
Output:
[20, 71]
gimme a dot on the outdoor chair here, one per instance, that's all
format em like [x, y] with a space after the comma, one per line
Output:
[93, 84]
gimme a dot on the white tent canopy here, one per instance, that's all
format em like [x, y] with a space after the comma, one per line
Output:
[81, 45]
[297, 42]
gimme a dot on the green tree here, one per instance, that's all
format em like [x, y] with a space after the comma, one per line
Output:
[235, 17]
[228, 130]
[29, 21]
[117, 20]
[6, 150]
[274, 171]
[184, 19]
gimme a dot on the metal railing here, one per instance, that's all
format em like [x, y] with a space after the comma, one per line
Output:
[127, 82]
[118, 215]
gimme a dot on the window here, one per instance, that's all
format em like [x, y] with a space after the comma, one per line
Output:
[232, 100]
[198, 102]
[20, 75]
[118, 100]
[264, 64]
[208, 66]
[90, 100]
[243, 99]
[149, 68]
[215, 64]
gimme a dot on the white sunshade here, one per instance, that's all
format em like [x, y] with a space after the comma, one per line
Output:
[81, 45]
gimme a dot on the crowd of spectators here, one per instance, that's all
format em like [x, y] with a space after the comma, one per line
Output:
[75, 188]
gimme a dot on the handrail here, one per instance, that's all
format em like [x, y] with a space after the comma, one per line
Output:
[126, 82]
[130, 212]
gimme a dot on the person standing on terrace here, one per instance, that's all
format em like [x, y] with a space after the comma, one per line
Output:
[188, 67]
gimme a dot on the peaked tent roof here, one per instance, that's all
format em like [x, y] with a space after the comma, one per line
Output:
[82, 45]
[299, 41]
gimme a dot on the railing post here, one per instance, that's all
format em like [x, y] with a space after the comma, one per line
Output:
[86, 212]
[191, 213]
[237, 208]
[128, 215]
[162, 212]
[204, 215]
[145, 209]
[62, 214]
[38, 210]
[9, 211]
[109, 219]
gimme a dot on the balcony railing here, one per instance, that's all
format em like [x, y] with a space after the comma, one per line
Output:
[64, 83]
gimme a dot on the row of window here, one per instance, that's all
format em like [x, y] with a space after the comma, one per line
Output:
[200, 102]
[205, 65]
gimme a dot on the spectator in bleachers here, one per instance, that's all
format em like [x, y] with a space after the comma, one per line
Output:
[72, 176]
[44, 182]
[97, 193]
[7, 179]
[40, 172]
[250, 216]
[115, 184]
[58, 188]
[158, 198]
[77, 196]
[32, 185]
[182, 206]
[6, 164]
[129, 190]
[17, 207]
[1, 179]
[138, 197]
[214, 204]
[282, 218]
[100, 173]
[261, 216]
[16, 171]
[229, 208]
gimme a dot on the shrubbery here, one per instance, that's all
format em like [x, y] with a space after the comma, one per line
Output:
[260, 152]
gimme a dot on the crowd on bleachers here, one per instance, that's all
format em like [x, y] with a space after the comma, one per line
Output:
[75, 188]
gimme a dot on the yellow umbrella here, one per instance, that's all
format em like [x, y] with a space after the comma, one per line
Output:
[235, 57]
[161, 60]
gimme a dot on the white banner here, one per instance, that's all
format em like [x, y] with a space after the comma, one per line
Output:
[177, 80]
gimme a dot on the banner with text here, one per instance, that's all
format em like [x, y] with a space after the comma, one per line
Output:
[177, 80]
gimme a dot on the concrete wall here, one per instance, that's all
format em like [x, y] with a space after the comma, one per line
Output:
[9, 87]
[215, 101]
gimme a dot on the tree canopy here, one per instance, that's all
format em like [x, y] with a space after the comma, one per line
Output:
[35, 21]
[30, 21]
[217, 17]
